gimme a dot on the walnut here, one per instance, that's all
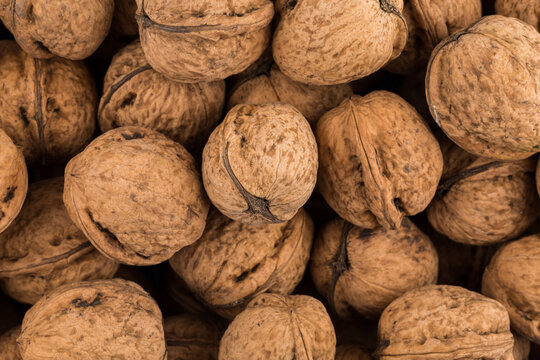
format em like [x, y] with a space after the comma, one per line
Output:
[191, 337]
[526, 10]
[8, 344]
[351, 352]
[522, 348]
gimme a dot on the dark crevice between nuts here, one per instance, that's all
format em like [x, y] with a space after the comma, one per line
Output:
[39, 111]
[42, 47]
[261, 67]
[10, 194]
[190, 342]
[340, 263]
[79, 303]
[447, 183]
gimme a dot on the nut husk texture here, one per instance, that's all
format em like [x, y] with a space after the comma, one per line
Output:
[526, 10]
[191, 337]
[8, 344]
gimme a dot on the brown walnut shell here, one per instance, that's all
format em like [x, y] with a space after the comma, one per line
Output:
[444, 322]
[513, 279]
[124, 21]
[94, 320]
[351, 352]
[8, 344]
[191, 337]
[482, 88]
[203, 40]
[260, 164]
[378, 160]
[232, 262]
[48, 106]
[526, 10]
[45, 28]
[522, 348]
[136, 195]
[280, 327]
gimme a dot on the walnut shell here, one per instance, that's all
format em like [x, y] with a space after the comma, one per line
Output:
[44, 28]
[513, 279]
[136, 95]
[526, 10]
[481, 88]
[363, 271]
[48, 106]
[444, 322]
[124, 21]
[260, 164]
[522, 347]
[232, 262]
[337, 41]
[191, 337]
[8, 344]
[377, 171]
[102, 319]
[136, 195]
[351, 352]
[13, 180]
[196, 41]
[280, 327]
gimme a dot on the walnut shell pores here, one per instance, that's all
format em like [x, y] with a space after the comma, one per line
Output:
[482, 87]
[232, 262]
[337, 41]
[8, 344]
[48, 106]
[280, 327]
[136, 195]
[512, 278]
[104, 319]
[526, 10]
[260, 164]
[377, 171]
[135, 94]
[190, 337]
[196, 41]
[444, 322]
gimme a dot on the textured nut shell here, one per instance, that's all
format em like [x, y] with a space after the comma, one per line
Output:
[260, 164]
[232, 263]
[8, 344]
[136, 95]
[483, 90]
[196, 41]
[526, 10]
[124, 18]
[44, 28]
[337, 41]
[378, 160]
[190, 337]
[136, 195]
[522, 348]
[444, 322]
[13, 181]
[512, 278]
[48, 106]
[104, 319]
[280, 327]
[351, 352]
[312, 101]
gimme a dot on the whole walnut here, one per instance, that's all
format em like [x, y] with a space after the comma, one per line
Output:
[481, 88]
[13, 181]
[526, 10]
[337, 41]
[522, 347]
[124, 21]
[513, 279]
[203, 40]
[280, 327]
[351, 352]
[260, 164]
[136, 95]
[361, 270]
[8, 344]
[444, 322]
[378, 160]
[191, 337]
[136, 195]
[102, 319]
[45, 28]
[48, 107]
[232, 262]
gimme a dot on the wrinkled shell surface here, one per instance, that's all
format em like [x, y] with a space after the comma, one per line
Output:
[483, 88]
[293, 327]
[260, 164]
[203, 40]
[8, 344]
[190, 337]
[44, 28]
[513, 279]
[48, 107]
[136, 95]
[522, 348]
[351, 352]
[233, 262]
[444, 322]
[526, 10]
[378, 160]
[136, 195]
[94, 320]
[363, 271]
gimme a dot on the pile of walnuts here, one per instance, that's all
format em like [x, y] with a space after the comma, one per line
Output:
[257, 179]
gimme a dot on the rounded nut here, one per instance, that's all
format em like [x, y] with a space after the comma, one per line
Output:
[191, 337]
[8, 344]
[351, 352]
[260, 164]
[526, 10]
[136, 195]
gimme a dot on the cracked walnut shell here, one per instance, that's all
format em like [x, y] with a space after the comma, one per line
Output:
[526, 10]
[191, 337]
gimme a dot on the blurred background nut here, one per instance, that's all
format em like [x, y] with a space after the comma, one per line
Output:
[526, 10]
[351, 352]
[191, 337]
[8, 344]
[522, 347]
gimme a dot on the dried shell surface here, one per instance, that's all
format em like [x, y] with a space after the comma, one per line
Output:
[444, 322]
[136, 195]
[190, 337]
[293, 327]
[94, 320]
[522, 348]
[482, 87]
[8, 344]
[48, 106]
[526, 10]
[260, 164]
[351, 352]
[195, 41]
[377, 171]
[512, 278]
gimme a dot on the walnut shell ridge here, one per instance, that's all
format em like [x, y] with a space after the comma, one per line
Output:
[191, 337]
[525, 10]
[8, 344]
